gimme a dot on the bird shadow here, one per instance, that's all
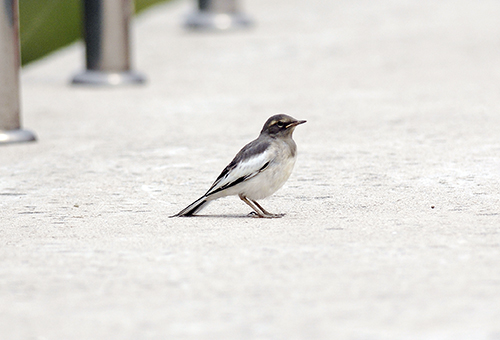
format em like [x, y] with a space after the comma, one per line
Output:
[250, 216]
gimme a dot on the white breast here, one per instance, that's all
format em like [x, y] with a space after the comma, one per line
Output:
[269, 181]
[273, 177]
[260, 184]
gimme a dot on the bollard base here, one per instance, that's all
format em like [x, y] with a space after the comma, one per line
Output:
[16, 136]
[203, 20]
[100, 78]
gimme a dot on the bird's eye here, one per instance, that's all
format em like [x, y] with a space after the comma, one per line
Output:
[280, 124]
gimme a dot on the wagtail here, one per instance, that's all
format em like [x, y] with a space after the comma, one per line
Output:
[258, 170]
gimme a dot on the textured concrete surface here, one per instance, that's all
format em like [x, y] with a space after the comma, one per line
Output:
[392, 228]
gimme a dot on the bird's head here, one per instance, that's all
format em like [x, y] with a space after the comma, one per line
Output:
[281, 125]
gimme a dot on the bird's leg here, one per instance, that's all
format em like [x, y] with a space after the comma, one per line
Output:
[259, 213]
[267, 213]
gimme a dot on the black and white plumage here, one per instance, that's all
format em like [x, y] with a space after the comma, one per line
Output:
[258, 170]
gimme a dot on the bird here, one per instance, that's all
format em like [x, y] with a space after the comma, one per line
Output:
[258, 170]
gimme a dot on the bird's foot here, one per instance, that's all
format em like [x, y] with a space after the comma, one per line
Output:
[275, 215]
[266, 215]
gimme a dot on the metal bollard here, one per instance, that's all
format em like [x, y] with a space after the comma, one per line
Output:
[107, 43]
[10, 126]
[218, 15]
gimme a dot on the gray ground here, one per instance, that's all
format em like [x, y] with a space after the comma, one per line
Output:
[402, 100]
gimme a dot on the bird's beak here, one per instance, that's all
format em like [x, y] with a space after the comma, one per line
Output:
[298, 122]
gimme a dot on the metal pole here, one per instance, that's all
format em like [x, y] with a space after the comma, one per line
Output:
[107, 43]
[10, 126]
[218, 15]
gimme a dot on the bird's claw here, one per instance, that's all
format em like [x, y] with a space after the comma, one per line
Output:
[268, 215]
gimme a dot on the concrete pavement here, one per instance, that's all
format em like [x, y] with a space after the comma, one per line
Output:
[392, 225]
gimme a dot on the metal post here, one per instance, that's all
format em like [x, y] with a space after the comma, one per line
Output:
[107, 43]
[218, 15]
[10, 126]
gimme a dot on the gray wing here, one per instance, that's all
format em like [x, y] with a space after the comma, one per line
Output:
[252, 159]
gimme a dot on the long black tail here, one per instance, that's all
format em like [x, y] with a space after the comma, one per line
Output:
[193, 208]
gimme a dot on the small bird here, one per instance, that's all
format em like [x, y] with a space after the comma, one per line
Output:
[258, 170]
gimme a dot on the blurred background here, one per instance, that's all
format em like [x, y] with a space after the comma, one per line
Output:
[47, 25]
